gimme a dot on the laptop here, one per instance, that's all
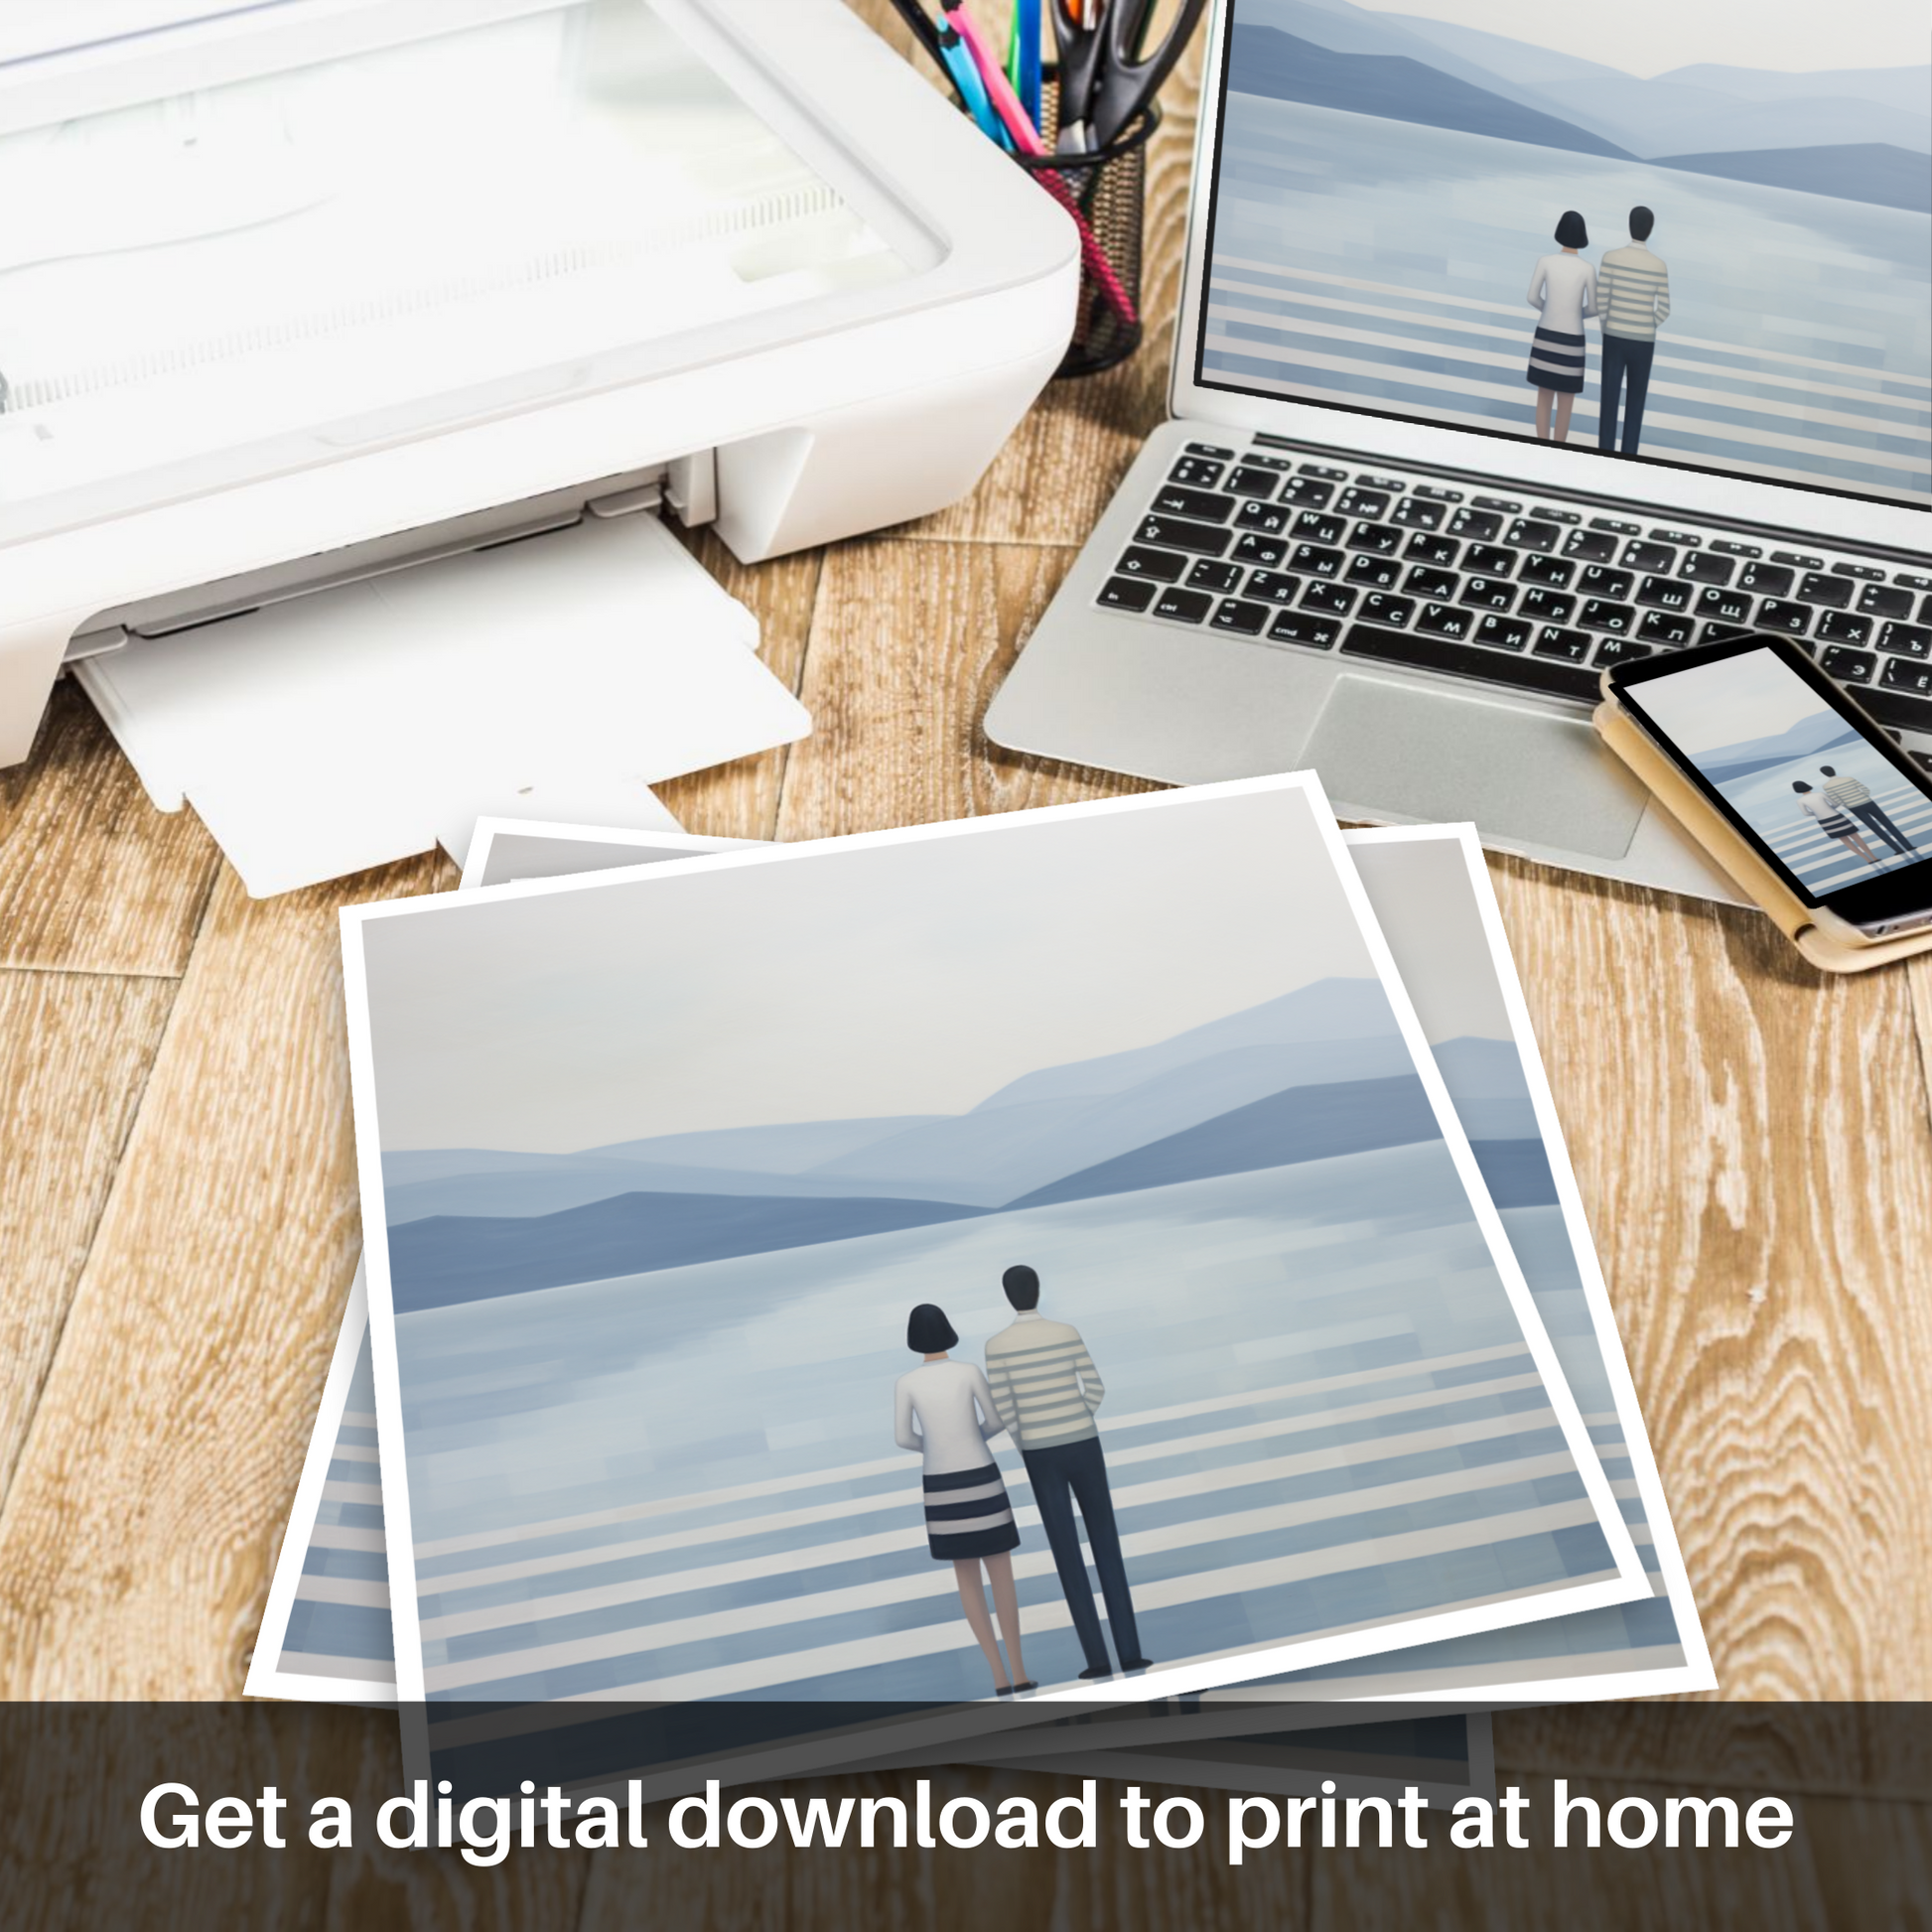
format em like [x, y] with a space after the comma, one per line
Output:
[1350, 549]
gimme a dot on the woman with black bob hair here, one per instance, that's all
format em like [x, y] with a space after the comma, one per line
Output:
[1563, 287]
[943, 1411]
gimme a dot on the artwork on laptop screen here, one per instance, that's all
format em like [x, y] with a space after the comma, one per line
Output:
[1803, 778]
[1702, 235]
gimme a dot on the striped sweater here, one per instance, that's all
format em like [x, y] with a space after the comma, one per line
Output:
[1632, 293]
[1045, 1384]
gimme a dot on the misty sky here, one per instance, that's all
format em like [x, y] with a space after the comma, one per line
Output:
[1653, 37]
[907, 978]
[1730, 702]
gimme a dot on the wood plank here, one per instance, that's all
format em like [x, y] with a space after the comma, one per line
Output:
[1759, 1177]
[910, 643]
[740, 800]
[137, 1537]
[76, 1057]
[92, 878]
[1852, 1864]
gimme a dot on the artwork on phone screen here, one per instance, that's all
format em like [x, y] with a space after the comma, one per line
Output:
[1799, 773]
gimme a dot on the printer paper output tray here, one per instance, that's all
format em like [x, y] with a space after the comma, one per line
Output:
[558, 676]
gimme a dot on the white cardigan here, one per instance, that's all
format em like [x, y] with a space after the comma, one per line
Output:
[1564, 287]
[941, 1397]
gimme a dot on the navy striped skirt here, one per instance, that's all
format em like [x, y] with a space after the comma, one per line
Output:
[967, 1514]
[1556, 362]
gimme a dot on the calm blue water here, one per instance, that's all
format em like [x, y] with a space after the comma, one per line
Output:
[1767, 287]
[1767, 802]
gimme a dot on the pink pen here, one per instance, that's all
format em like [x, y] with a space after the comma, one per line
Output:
[1025, 137]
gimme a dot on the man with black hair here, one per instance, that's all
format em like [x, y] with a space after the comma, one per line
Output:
[1853, 795]
[1632, 298]
[1046, 1390]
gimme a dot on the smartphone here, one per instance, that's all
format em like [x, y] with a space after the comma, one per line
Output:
[1785, 756]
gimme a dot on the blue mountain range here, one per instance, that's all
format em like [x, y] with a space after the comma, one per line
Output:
[1817, 733]
[1319, 1072]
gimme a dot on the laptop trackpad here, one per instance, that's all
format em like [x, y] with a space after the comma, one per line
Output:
[1385, 747]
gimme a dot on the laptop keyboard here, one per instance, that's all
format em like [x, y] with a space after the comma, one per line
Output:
[1525, 595]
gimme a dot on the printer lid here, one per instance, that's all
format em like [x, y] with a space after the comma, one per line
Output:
[242, 239]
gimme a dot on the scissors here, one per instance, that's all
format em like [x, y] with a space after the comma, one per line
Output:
[1107, 77]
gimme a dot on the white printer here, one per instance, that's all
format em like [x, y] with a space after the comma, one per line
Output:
[315, 301]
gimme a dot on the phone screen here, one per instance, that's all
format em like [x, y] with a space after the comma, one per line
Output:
[1839, 812]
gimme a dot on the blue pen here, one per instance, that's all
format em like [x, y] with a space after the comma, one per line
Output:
[1025, 83]
[972, 89]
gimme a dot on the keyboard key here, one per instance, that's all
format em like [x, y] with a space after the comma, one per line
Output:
[1615, 528]
[1490, 560]
[1209, 575]
[1649, 556]
[1196, 472]
[1252, 548]
[1313, 528]
[1268, 518]
[1210, 448]
[1925, 612]
[1907, 640]
[1897, 708]
[1675, 536]
[1328, 597]
[1728, 607]
[1599, 613]
[1590, 546]
[1842, 628]
[1456, 497]
[1700, 567]
[1598, 582]
[1508, 506]
[1531, 533]
[1488, 595]
[1247, 480]
[1665, 627]
[1553, 641]
[1395, 611]
[1390, 483]
[1905, 674]
[1312, 561]
[1911, 581]
[1480, 524]
[1551, 571]
[1275, 586]
[1127, 592]
[1384, 539]
[1445, 620]
[1307, 493]
[1797, 560]
[1546, 606]
[1419, 514]
[1766, 579]
[1381, 572]
[1297, 628]
[1325, 470]
[1425, 582]
[1283, 465]
[1235, 614]
[1850, 667]
[1425, 651]
[1726, 634]
[1503, 633]
[1876, 601]
[1177, 533]
[1162, 565]
[1356, 501]
[1735, 549]
[1866, 572]
[1777, 614]
[1171, 499]
[1433, 550]
[1621, 650]
[1183, 606]
[1555, 517]
[1834, 593]
[1664, 594]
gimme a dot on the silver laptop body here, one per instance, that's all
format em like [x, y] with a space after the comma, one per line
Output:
[1417, 606]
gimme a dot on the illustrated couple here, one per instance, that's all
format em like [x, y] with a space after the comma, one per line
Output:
[1630, 296]
[1844, 799]
[1040, 1386]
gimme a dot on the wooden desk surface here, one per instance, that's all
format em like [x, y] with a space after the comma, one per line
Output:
[178, 1224]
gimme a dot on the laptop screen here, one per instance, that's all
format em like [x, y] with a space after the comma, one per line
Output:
[1720, 217]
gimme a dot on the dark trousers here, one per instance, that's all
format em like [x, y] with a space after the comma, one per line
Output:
[1876, 816]
[1062, 1477]
[1624, 360]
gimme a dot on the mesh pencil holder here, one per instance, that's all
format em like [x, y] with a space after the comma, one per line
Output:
[1105, 192]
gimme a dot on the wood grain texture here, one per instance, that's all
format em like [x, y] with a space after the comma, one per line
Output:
[92, 878]
[1753, 1146]
[74, 1054]
[909, 645]
[137, 1536]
